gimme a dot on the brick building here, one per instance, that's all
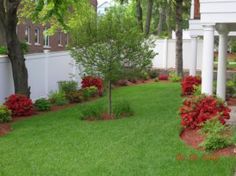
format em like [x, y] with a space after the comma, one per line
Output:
[33, 35]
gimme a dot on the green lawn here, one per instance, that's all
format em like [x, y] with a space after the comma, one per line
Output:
[60, 144]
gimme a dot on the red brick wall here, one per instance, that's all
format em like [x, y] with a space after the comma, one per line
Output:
[196, 9]
[53, 40]
[37, 48]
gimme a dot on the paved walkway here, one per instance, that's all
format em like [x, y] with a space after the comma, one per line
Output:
[232, 120]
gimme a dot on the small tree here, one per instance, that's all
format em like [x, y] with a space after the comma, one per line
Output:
[111, 45]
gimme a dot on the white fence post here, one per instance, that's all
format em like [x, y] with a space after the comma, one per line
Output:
[46, 52]
[165, 54]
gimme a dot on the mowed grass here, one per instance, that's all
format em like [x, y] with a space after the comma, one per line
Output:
[60, 144]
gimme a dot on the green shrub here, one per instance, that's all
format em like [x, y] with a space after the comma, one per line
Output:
[92, 112]
[174, 77]
[3, 50]
[144, 75]
[231, 88]
[156, 80]
[75, 97]
[122, 109]
[67, 86]
[216, 136]
[197, 90]
[5, 114]
[153, 74]
[233, 46]
[89, 92]
[24, 47]
[42, 104]
[58, 98]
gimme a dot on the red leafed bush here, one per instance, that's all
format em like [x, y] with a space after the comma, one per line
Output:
[20, 105]
[188, 84]
[197, 110]
[163, 77]
[89, 81]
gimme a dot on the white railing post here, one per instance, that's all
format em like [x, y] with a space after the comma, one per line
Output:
[165, 54]
[46, 54]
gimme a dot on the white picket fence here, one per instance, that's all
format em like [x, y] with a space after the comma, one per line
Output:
[46, 69]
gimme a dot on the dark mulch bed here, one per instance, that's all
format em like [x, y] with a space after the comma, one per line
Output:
[192, 138]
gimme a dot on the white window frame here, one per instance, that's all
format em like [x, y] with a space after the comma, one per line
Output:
[46, 40]
[27, 35]
[37, 36]
[59, 42]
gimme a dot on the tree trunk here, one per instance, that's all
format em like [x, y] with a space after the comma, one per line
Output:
[15, 53]
[179, 38]
[109, 99]
[161, 21]
[139, 14]
[2, 36]
[149, 17]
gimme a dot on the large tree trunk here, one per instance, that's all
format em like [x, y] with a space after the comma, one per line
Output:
[179, 38]
[149, 17]
[15, 53]
[2, 36]
[139, 14]
[161, 20]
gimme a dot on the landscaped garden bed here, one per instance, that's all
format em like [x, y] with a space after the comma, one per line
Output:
[204, 118]
[146, 143]
[193, 138]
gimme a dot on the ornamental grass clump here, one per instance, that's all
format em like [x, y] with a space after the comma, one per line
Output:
[122, 109]
[217, 135]
[58, 98]
[174, 77]
[188, 84]
[195, 111]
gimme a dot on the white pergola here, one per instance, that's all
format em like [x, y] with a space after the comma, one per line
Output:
[217, 19]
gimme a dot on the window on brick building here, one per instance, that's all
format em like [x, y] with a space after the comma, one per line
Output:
[67, 40]
[46, 39]
[37, 36]
[59, 38]
[27, 34]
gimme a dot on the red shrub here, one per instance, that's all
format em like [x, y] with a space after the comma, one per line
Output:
[89, 81]
[197, 110]
[188, 84]
[20, 105]
[163, 77]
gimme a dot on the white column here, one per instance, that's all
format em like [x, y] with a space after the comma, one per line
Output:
[193, 63]
[208, 58]
[192, 10]
[221, 72]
